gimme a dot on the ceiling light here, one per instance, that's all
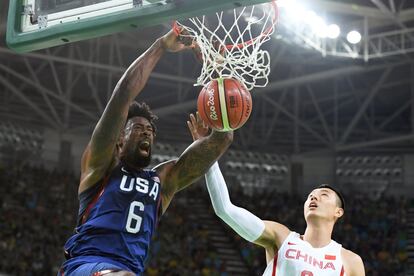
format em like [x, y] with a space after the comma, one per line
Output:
[333, 31]
[353, 37]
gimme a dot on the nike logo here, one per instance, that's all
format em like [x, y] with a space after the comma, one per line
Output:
[291, 243]
[123, 170]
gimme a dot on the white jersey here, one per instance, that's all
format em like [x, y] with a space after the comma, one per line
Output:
[297, 257]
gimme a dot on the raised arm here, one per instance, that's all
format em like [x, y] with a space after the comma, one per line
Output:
[267, 234]
[192, 164]
[264, 233]
[99, 154]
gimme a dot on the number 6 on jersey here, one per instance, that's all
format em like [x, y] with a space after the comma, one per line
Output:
[133, 224]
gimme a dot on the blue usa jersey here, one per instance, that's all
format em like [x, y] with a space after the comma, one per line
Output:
[117, 218]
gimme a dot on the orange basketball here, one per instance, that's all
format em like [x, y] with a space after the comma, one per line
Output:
[224, 104]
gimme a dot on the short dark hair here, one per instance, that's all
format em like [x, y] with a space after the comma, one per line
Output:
[137, 109]
[326, 186]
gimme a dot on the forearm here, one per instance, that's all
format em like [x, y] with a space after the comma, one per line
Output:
[199, 156]
[247, 225]
[136, 76]
[129, 86]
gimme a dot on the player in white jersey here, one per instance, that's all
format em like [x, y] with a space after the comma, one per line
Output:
[288, 253]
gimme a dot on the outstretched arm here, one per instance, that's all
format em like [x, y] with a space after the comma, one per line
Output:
[268, 234]
[99, 154]
[246, 224]
[193, 162]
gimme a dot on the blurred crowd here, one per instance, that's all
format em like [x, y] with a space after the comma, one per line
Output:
[38, 212]
[39, 208]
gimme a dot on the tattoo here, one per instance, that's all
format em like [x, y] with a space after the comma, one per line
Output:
[198, 158]
[130, 85]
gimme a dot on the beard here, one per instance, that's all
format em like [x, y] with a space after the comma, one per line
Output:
[142, 161]
[137, 160]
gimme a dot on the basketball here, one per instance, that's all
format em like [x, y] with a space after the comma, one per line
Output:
[224, 104]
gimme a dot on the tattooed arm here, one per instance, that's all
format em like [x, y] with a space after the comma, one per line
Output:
[99, 154]
[193, 162]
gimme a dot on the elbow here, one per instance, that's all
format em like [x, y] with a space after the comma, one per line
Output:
[222, 215]
[221, 211]
[229, 135]
[224, 137]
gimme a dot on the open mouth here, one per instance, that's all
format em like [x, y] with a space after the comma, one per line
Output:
[144, 147]
[313, 205]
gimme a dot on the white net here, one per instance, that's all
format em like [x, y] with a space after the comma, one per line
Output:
[230, 45]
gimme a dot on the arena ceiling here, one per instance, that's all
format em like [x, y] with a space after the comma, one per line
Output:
[313, 102]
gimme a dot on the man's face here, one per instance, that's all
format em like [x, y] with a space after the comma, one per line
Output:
[322, 204]
[136, 142]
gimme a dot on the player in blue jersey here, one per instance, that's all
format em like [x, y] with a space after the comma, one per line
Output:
[120, 201]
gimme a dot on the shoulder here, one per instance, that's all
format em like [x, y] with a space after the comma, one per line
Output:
[92, 176]
[349, 255]
[353, 263]
[162, 165]
[278, 229]
[273, 236]
[163, 168]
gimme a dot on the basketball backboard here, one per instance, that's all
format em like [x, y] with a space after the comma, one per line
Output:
[38, 24]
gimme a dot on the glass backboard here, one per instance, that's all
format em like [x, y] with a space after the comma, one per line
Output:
[38, 24]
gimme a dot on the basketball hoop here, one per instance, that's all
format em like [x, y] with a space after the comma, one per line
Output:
[229, 46]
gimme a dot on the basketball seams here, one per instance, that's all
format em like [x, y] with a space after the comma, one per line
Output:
[243, 101]
[226, 82]
[242, 91]
[231, 123]
[242, 104]
[249, 102]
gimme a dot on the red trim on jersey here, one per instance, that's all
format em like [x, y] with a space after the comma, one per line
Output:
[342, 271]
[158, 213]
[274, 265]
[330, 257]
[93, 202]
[62, 272]
[103, 272]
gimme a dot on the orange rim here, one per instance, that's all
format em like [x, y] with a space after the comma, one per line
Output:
[175, 27]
